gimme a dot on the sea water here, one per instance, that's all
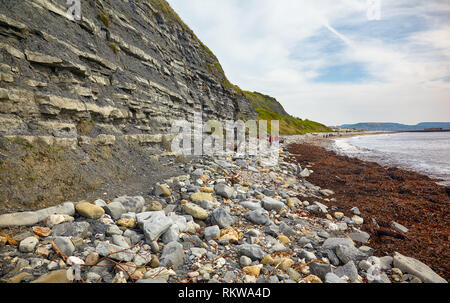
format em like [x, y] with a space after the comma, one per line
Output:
[427, 152]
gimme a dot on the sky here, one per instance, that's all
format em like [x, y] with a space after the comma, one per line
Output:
[334, 62]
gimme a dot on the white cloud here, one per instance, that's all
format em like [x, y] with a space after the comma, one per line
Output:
[277, 48]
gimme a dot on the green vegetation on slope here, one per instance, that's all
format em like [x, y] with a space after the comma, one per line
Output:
[268, 108]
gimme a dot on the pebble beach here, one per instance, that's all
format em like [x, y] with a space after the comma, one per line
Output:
[230, 219]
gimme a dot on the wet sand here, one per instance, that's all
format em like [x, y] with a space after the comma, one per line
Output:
[386, 195]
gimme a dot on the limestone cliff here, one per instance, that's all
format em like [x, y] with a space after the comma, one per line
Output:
[128, 68]
[86, 105]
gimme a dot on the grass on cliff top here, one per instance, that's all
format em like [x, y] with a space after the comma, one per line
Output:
[268, 108]
[291, 125]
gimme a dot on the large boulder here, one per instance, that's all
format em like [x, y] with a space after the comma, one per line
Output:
[155, 226]
[33, 217]
[131, 204]
[415, 267]
[172, 255]
[271, 204]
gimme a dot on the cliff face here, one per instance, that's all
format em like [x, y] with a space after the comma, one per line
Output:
[85, 105]
[127, 69]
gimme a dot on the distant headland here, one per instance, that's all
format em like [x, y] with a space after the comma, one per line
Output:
[381, 126]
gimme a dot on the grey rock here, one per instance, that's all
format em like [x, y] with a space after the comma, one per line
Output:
[142, 217]
[348, 270]
[104, 267]
[319, 269]
[312, 208]
[65, 244]
[155, 226]
[333, 278]
[258, 216]
[364, 265]
[355, 211]
[52, 265]
[31, 218]
[38, 262]
[360, 236]
[273, 279]
[277, 247]
[303, 241]
[22, 236]
[332, 243]
[331, 256]
[133, 236]
[212, 232]
[115, 210]
[121, 241]
[245, 261]
[229, 277]
[349, 253]
[252, 251]
[386, 262]
[305, 173]
[323, 208]
[366, 250]
[114, 251]
[251, 205]
[208, 205]
[172, 234]
[113, 230]
[92, 277]
[308, 246]
[221, 218]
[342, 226]
[131, 204]
[198, 172]
[398, 227]
[271, 204]
[28, 244]
[286, 230]
[224, 190]
[172, 255]
[272, 229]
[71, 229]
[269, 192]
[100, 202]
[382, 278]
[417, 268]
[323, 234]
[308, 256]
